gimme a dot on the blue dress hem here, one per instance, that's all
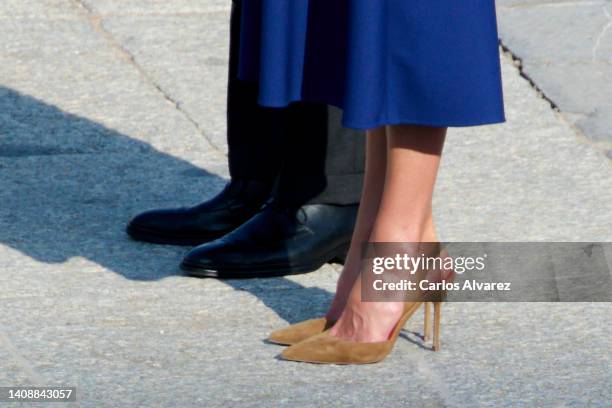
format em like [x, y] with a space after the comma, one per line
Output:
[481, 121]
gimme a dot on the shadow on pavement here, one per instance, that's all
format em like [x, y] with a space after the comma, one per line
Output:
[77, 183]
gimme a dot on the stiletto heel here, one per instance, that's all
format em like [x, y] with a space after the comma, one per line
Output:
[426, 330]
[437, 317]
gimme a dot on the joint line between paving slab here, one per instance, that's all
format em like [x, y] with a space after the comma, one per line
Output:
[96, 22]
[602, 33]
[518, 63]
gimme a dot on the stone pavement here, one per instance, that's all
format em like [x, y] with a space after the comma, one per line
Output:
[109, 107]
[565, 49]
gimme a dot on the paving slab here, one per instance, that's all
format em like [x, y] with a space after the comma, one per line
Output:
[187, 57]
[98, 123]
[565, 47]
[557, 185]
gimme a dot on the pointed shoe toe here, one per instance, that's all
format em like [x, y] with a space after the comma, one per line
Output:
[299, 332]
[327, 349]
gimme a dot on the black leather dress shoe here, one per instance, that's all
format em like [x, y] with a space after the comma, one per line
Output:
[237, 203]
[277, 241]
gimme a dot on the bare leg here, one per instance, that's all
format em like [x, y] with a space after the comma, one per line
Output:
[375, 167]
[404, 215]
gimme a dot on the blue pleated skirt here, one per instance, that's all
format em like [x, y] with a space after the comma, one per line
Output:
[383, 62]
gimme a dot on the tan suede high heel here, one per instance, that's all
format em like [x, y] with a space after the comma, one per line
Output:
[327, 349]
[301, 331]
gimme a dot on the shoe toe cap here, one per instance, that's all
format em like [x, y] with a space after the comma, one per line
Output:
[202, 255]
